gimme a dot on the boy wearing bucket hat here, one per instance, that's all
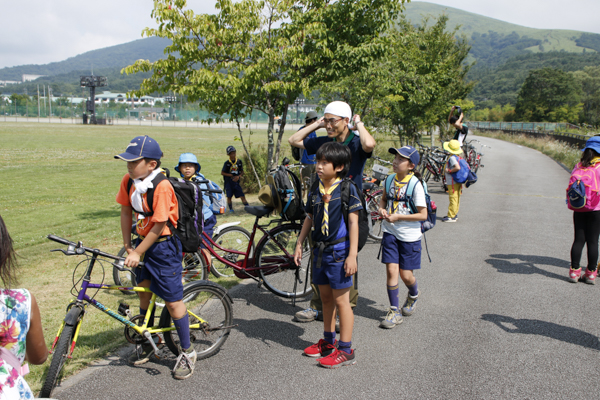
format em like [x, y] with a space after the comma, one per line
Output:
[189, 169]
[586, 215]
[341, 127]
[158, 246]
[454, 189]
[232, 172]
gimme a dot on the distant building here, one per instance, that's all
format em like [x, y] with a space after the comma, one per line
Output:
[108, 97]
[4, 83]
[29, 78]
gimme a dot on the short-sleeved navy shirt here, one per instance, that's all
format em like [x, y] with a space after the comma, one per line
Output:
[232, 168]
[359, 156]
[337, 225]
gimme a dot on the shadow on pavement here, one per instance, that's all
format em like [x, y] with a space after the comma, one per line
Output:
[543, 328]
[268, 330]
[527, 266]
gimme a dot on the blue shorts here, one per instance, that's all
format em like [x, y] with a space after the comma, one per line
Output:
[209, 228]
[234, 189]
[332, 271]
[162, 266]
[406, 254]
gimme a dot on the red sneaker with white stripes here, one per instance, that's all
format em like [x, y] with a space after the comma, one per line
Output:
[337, 359]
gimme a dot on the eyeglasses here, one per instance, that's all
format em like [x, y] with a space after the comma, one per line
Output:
[332, 121]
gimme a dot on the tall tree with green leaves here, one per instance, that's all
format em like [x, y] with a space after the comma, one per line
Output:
[589, 79]
[412, 86]
[262, 54]
[549, 95]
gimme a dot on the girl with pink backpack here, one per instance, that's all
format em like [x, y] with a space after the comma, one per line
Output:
[583, 197]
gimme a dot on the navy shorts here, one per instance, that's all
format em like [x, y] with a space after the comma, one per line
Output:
[162, 266]
[234, 189]
[406, 254]
[209, 228]
[332, 271]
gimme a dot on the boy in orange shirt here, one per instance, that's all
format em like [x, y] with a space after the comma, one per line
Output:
[158, 246]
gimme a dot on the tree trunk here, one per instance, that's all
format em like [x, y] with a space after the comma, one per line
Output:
[280, 136]
[248, 153]
[270, 142]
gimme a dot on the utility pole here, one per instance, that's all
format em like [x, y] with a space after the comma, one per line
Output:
[38, 102]
[50, 100]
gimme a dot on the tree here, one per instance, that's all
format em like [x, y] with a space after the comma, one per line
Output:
[549, 95]
[261, 55]
[589, 79]
[412, 86]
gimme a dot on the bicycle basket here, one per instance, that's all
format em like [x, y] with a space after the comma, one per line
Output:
[380, 172]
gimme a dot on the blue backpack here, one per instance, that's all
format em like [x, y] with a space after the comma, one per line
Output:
[217, 200]
[462, 175]
[431, 207]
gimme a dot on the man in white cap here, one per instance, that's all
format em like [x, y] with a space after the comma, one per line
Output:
[341, 126]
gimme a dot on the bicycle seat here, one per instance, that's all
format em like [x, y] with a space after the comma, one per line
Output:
[259, 211]
[368, 185]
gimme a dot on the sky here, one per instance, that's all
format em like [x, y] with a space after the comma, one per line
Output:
[44, 31]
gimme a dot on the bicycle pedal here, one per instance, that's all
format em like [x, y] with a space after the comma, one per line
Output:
[123, 309]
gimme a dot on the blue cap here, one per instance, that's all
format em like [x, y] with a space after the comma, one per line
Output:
[407, 152]
[188, 158]
[141, 147]
[230, 149]
[593, 143]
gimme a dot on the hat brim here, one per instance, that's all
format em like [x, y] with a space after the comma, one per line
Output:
[274, 194]
[446, 147]
[128, 157]
[395, 151]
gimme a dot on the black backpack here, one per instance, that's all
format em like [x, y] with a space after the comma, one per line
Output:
[363, 217]
[296, 153]
[289, 189]
[189, 198]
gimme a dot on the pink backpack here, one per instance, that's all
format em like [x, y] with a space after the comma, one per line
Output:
[589, 177]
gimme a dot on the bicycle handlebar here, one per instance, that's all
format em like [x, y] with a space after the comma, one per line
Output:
[75, 249]
[206, 182]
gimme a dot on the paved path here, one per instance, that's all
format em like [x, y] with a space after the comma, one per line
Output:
[497, 317]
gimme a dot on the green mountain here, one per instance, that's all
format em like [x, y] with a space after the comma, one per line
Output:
[113, 58]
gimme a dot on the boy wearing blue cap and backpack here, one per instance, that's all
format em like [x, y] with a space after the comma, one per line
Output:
[189, 169]
[159, 248]
[401, 242]
[232, 171]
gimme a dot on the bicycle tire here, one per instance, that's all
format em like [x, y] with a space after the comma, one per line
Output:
[210, 302]
[233, 238]
[194, 269]
[58, 360]
[426, 175]
[279, 272]
[375, 228]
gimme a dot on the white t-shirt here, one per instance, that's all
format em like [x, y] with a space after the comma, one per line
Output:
[407, 231]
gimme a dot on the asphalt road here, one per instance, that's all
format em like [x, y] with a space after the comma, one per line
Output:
[497, 317]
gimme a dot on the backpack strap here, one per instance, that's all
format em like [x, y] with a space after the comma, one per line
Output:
[388, 185]
[149, 194]
[410, 188]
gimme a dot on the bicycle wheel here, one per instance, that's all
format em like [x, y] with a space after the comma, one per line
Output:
[426, 175]
[194, 267]
[210, 303]
[233, 238]
[58, 360]
[277, 269]
[375, 220]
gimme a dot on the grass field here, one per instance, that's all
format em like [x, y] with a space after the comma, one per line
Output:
[63, 180]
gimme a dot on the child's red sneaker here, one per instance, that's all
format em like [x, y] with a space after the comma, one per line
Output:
[574, 274]
[590, 276]
[321, 349]
[337, 359]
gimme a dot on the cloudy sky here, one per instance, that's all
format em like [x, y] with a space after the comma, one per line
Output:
[43, 31]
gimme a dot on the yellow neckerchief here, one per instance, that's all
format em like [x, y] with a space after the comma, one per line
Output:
[233, 164]
[594, 160]
[324, 195]
[397, 186]
[190, 178]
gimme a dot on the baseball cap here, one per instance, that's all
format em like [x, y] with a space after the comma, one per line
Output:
[407, 152]
[230, 149]
[310, 115]
[593, 143]
[141, 147]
